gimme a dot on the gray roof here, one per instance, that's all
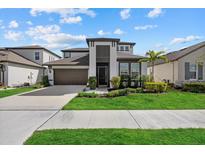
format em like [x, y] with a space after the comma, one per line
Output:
[123, 55]
[172, 56]
[33, 47]
[76, 50]
[11, 56]
[74, 61]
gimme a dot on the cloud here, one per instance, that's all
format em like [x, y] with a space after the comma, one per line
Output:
[125, 14]
[101, 33]
[29, 23]
[145, 27]
[71, 20]
[42, 30]
[13, 24]
[66, 15]
[118, 31]
[179, 40]
[13, 36]
[154, 13]
[52, 37]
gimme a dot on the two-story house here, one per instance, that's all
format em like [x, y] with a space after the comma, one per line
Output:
[103, 58]
[19, 65]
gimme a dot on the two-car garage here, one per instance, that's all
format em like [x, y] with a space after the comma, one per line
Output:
[70, 76]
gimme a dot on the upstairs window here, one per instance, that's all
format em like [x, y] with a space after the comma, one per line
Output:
[37, 55]
[126, 48]
[121, 48]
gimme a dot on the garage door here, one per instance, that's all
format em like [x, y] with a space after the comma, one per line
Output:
[70, 76]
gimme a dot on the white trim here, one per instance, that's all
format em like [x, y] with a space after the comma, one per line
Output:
[70, 67]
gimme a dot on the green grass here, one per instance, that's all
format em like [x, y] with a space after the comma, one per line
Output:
[170, 100]
[118, 137]
[10, 92]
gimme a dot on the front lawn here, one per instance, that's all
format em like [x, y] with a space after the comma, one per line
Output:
[9, 92]
[118, 137]
[170, 100]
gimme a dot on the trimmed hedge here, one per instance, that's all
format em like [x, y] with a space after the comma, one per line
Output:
[197, 87]
[89, 95]
[92, 81]
[156, 87]
[115, 93]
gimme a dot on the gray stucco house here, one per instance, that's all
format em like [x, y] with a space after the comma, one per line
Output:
[187, 64]
[103, 58]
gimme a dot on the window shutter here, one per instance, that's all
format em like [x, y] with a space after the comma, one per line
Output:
[200, 71]
[187, 74]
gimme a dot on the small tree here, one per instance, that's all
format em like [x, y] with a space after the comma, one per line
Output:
[152, 56]
[115, 81]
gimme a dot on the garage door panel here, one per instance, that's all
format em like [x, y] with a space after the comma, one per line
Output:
[70, 76]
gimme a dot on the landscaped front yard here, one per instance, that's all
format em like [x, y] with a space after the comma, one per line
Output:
[9, 92]
[173, 99]
[118, 137]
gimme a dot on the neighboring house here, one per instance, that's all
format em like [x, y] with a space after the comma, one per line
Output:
[187, 64]
[21, 65]
[104, 58]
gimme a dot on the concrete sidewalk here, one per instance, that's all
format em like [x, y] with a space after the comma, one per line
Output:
[144, 119]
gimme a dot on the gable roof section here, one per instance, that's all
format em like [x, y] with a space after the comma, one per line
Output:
[74, 61]
[13, 57]
[34, 47]
[172, 56]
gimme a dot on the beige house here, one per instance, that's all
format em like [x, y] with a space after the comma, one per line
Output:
[187, 64]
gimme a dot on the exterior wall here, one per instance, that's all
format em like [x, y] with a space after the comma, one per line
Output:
[130, 50]
[168, 71]
[113, 58]
[143, 68]
[194, 58]
[30, 54]
[74, 54]
[19, 74]
[47, 57]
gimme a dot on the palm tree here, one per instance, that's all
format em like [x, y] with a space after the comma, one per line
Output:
[152, 56]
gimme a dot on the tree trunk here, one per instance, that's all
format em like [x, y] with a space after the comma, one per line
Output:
[153, 71]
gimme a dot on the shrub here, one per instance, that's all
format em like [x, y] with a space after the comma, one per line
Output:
[125, 81]
[26, 84]
[115, 93]
[197, 87]
[131, 90]
[45, 81]
[37, 86]
[145, 78]
[92, 82]
[87, 94]
[139, 90]
[115, 81]
[155, 86]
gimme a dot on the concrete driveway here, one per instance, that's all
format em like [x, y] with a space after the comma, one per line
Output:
[21, 115]
[51, 98]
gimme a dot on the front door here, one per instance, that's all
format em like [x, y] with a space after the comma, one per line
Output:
[103, 75]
